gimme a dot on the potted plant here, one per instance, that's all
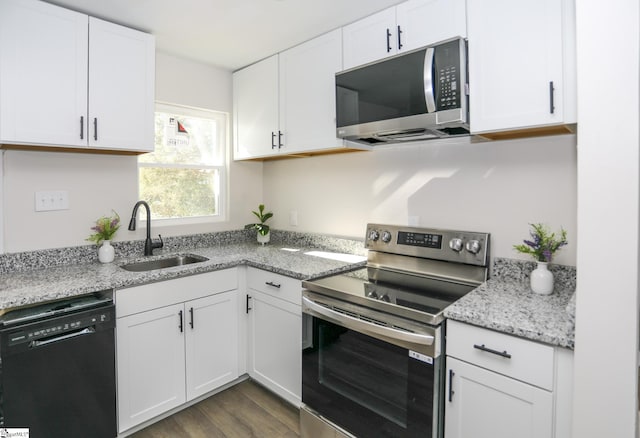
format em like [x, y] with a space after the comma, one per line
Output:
[542, 246]
[105, 228]
[261, 227]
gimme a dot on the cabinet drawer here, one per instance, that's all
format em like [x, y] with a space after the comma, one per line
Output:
[514, 357]
[164, 293]
[276, 285]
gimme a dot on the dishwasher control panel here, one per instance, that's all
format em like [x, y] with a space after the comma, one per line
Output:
[52, 328]
[56, 329]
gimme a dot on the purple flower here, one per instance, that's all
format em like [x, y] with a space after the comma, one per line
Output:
[543, 243]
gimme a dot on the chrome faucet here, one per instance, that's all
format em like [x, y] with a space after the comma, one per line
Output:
[149, 244]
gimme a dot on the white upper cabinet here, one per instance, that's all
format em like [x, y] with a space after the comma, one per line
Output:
[43, 74]
[64, 74]
[307, 94]
[408, 26]
[521, 64]
[369, 39]
[255, 106]
[121, 87]
[285, 105]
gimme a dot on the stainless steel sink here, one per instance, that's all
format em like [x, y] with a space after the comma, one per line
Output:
[165, 262]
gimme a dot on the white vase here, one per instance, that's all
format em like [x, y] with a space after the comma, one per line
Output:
[106, 253]
[542, 279]
[264, 239]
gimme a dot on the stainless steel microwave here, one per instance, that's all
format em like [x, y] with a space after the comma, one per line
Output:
[418, 95]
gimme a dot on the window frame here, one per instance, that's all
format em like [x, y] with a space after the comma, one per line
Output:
[223, 169]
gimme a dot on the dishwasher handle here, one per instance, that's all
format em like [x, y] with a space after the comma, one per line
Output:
[42, 343]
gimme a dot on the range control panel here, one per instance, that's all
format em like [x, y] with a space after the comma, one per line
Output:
[438, 244]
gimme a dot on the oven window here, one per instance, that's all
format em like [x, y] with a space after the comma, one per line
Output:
[354, 368]
[367, 386]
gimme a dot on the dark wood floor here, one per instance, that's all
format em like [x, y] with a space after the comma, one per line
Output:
[244, 410]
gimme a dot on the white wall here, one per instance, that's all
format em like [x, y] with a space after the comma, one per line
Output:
[496, 187]
[606, 353]
[99, 183]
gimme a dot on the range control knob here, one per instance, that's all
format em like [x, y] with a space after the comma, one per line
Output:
[386, 236]
[455, 244]
[374, 235]
[385, 298]
[373, 295]
[473, 246]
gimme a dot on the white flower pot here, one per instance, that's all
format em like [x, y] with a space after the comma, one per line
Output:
[264, 239]
[106, 252]
[542, 279]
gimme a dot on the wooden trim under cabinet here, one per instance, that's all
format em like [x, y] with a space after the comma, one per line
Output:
[24, 147]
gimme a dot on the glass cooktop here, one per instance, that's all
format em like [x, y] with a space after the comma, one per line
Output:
[419, 298]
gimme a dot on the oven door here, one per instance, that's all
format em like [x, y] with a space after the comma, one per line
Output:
[368, 379]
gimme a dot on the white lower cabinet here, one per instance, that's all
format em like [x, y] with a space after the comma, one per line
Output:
[182, 348]
[501, 386]
[275, 333]
[485, 404]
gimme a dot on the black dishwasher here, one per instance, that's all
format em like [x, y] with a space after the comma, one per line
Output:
[57, 368]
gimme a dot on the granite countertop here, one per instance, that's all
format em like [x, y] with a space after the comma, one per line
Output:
[29, 286]
[506, 304]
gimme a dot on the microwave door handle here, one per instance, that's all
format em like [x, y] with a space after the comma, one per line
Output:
[366, 327]
[429, 85]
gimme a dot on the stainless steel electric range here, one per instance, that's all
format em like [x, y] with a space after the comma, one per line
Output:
[375, 363]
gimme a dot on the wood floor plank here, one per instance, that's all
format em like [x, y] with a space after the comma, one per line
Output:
[242, 411]
[275, 406]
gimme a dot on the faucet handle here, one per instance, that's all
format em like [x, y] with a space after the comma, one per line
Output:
[156, 244]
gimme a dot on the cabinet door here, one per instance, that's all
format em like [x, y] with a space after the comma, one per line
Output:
[255, 91]
[151, 368]
[422, 22]
[276, 345]
[121, 87]
[211, 343]
[307, 94]
[43, 74]
[370, 39]
[515, 54]
[484, 404]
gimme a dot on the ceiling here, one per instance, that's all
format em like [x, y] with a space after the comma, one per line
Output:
[229, 33]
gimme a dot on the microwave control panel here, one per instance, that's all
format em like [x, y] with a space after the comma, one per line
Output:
[447, 74]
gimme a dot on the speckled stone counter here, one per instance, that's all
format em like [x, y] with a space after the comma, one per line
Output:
[22, 286]
[506, 304]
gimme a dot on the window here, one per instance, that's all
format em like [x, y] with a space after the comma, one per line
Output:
[185, 176]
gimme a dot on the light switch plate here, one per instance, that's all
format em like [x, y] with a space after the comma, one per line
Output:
[50, 200]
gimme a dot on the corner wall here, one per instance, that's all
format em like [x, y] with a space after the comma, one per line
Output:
[606, 354]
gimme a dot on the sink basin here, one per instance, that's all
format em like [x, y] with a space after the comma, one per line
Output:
[166, 262]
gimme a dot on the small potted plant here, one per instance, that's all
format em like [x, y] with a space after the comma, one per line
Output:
[542, 246]
[261, 227]
[105, 228]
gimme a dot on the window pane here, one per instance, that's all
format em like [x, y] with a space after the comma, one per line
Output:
[185, 140]
[179, 193]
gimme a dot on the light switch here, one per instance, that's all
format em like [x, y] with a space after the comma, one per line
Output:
[49, 200]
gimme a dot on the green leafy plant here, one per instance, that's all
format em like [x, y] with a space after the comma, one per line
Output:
[260, 227]
[105, 228]
[543, 243]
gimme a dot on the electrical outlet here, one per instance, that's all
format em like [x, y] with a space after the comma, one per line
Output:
[50, 200]
[293, 218]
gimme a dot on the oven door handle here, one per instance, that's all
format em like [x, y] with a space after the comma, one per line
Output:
[365, 327]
